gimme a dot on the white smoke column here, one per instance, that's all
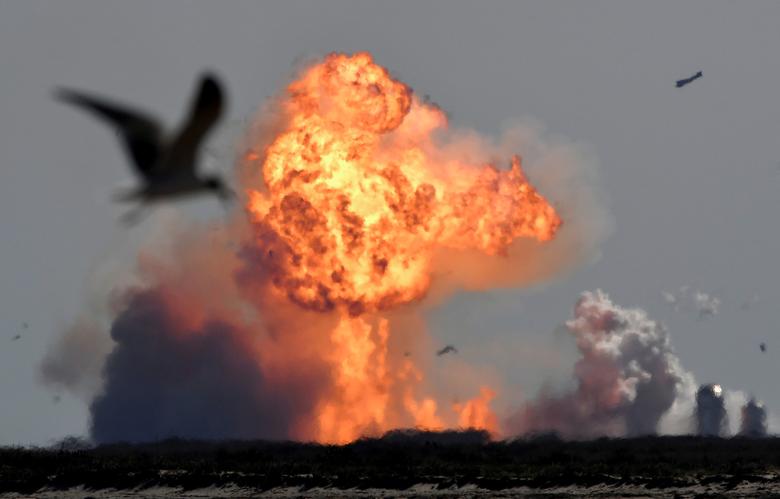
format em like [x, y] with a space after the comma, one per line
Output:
[710, 414]
[754, 421]
[627, 378]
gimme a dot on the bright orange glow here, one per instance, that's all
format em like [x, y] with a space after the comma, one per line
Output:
[360, 397]
[358, 200]
[476, 413]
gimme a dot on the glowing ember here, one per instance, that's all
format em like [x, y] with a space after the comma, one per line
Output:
[358, 199]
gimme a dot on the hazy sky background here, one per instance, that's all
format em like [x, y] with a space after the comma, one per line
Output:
[691, 175]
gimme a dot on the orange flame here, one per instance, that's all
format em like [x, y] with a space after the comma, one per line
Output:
[476, 413]
[359, 197]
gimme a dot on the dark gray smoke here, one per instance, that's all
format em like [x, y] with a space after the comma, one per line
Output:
[753, 422]
[711, 417]
[627, 378]
[162, 381]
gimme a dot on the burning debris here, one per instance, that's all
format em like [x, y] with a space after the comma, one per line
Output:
[710, 413]
[358, 200]
[628, 376]
[753, 422]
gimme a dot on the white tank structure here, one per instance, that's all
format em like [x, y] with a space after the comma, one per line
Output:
[753, 422]
[710, 413]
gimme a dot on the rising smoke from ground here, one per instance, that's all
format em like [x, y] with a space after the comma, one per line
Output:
[711, 416]
[754, 420]
[164, 380]
[627, 378]
[629, 381]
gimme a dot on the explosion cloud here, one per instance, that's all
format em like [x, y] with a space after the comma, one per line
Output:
[362, 206]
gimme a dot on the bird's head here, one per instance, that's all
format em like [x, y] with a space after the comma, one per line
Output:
[217, 186]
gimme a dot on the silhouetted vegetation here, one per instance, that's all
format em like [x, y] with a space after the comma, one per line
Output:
[397, 460]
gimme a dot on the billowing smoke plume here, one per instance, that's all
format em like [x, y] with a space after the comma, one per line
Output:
[291, 321]
[164, 379]
[754, 421]
[711, 416]
[628, 376]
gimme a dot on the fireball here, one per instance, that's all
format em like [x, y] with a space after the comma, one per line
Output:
[357, 198]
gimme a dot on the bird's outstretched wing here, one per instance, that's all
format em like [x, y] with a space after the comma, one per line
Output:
[141, 134]
[206, 110]
[447, 349]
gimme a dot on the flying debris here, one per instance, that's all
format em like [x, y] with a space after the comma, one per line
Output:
[446, 350]
[686, 81]
[762, 346]
[166, 165]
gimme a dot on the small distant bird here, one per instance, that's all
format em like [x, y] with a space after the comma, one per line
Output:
[166, 164]
[762, 346]
[16, 337]
[686, 81]
[446, 350]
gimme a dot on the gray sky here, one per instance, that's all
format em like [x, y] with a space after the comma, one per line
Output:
[691, 174]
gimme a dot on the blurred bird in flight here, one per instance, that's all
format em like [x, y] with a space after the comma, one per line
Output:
[165, 163]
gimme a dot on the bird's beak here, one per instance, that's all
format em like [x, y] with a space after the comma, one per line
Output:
[227, 195]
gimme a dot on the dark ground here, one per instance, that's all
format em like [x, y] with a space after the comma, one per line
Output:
[400, 460]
